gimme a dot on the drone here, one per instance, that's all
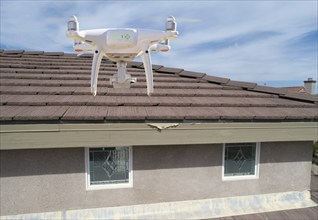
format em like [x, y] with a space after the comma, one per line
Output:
[121, 45]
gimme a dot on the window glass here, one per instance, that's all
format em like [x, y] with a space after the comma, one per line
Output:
[239, 159]
[108, 165]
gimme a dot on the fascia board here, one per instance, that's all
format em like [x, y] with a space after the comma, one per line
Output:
[119, 134]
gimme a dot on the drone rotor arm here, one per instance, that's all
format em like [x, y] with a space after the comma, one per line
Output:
[95, 69]
[84, 47]
[159, 47]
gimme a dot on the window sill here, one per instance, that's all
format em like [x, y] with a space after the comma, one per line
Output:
[110, 186]
[238, 178]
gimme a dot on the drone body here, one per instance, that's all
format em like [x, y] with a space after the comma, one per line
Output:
[121, 45]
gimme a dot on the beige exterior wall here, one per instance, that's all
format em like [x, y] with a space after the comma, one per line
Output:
[44, 180]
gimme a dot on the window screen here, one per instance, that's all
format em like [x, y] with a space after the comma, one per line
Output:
[239, 159]
[109, 165]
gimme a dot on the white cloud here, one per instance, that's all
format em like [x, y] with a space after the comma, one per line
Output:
[40, 25]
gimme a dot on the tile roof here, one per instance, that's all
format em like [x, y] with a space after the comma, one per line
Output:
[294, 88]
[55, 86]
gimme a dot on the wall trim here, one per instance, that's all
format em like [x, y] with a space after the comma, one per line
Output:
[191, 209]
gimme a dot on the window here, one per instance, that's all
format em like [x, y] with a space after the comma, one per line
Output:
[109, 167]
[240, 161]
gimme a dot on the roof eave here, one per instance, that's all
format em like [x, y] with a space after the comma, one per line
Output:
[147, 134]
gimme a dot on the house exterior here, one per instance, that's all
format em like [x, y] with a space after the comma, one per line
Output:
[199, 147]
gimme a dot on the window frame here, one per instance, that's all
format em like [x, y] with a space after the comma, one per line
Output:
[243, 177]
[110, 185]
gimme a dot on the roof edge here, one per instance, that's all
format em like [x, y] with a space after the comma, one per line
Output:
[76, 135]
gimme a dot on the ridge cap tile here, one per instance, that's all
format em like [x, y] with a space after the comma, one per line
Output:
[134, 64]
[268, 89]
[53, 53]
[85, 55]
[13, 51]
[153, 66]
[164, 69]
[216, 79]
[33, 52]
[243, 84]
[192, 74]
[301, 96]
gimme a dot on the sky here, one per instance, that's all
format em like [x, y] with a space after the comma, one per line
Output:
[271, 43]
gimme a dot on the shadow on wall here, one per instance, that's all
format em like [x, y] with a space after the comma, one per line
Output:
[177, 156]
[72, 160]
[41, 162]
[283, 152]
[166, 157]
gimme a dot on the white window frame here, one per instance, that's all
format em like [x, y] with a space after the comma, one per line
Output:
[243, 177]
[111, 185]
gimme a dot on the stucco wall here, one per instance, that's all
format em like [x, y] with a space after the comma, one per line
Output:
[54, 179]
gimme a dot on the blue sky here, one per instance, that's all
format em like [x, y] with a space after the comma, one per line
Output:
[272, 42]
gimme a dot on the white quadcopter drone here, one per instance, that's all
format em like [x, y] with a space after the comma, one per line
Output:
[121, 45]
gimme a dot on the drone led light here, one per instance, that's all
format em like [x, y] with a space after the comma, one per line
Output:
[121, 45]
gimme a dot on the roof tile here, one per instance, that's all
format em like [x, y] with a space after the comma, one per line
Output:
[21, 90]
[135, 100]
[134, 64]
[87, 90]
[268, 89]
[241, 84]
[104, 100]
[173, 92]
[202, 113]
[55, 90]
[165, 113]
[215, 79]
[56, 86]
[25, 100]
[154, 67]
[86, 55]
[33, 53]
[4, 99]
[69, 100]
[169, 70]
[126, 92]
[41, 113]
[236, 113]
[123, 113]
[53, 53]
[192, 74]
[7, 113]
[301, 97]
[13, 51]
[85, 113]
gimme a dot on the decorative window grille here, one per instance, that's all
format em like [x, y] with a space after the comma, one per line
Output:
[241, 159]
[109, 165]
